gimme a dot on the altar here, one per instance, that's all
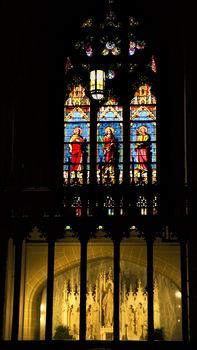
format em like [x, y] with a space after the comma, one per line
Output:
[106, 333]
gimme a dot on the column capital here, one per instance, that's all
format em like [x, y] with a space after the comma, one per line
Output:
[52, 228]
[181, 228]
[20, 228]
[149, 228]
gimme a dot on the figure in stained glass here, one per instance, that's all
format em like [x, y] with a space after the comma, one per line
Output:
[142, 147]
[109, 149]
[76, 149]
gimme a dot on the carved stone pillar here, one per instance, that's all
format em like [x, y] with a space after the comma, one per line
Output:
[183, 246]
[184, 278]
[20, 230]
[17, 283]
[192, 244]
[4, 237]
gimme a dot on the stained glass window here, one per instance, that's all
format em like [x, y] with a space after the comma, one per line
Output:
[107, 49]
[135, 44]
[76, 137]
[143, 137]
[109, 143]
[152, 64]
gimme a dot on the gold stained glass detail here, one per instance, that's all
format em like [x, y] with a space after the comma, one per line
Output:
[87, 23]
[143, 96]
[77, 97]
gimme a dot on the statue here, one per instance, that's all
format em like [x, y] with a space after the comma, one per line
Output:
[89, 334]
[108, 307]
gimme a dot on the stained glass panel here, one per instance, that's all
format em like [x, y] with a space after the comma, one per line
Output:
[143, 137]
[152, 64]
[76, 138]
[109, 144]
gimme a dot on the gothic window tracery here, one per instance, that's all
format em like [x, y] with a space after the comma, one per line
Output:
[139, 72]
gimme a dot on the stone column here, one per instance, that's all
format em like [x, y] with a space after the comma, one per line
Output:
[18, 241]
[192, 281]
[184, 288]
[3, 259]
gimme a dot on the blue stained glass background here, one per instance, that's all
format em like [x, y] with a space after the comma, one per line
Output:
[151, 131]
[117, 134]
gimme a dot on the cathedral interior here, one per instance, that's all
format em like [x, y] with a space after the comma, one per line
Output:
[97, 182]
